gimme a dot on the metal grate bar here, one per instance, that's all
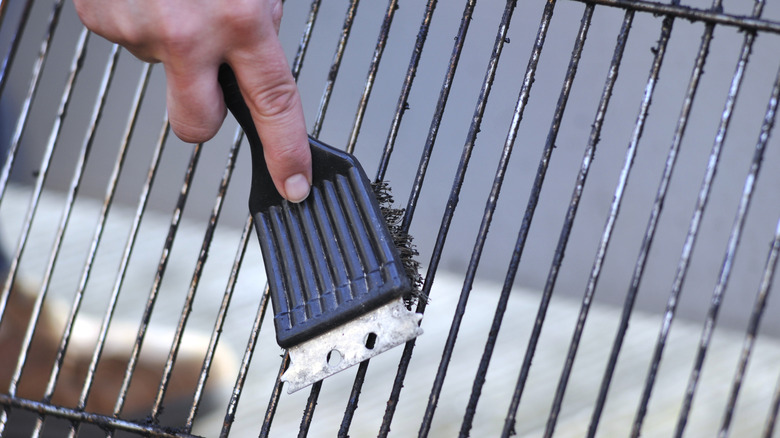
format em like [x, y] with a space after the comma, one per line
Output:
[352, 401]
[701, 203]
[511, 137]
[308, 413]
[162, 264]
[220, 320]
[233, 404]
[334, 67]
[617, 200]
[452, 202]
[8, 60]
[571, 212]
[433, 130]
[652, 225]
[24, 113]
[403, 97]
[80, 416]
[202, 257]
[297, 63]
[383, 163]
[111, 308]
[714, 15]
[248, 352]
[277, 390]
[72, 193]
[35, 199]
[460, 39]
[384, 31]
[771, 419]
[33, 206]
[728, 260]
[558, 415]
[766, 281]
[45, 162]
[487, 217]
[91, 255]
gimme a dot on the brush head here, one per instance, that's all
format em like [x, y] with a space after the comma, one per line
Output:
[331, 257]
[336, 276]
[402, 240]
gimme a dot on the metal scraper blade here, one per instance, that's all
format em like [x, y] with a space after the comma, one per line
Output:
[351, 343]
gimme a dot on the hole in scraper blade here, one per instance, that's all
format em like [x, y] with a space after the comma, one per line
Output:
[370, 340]
[334, 358]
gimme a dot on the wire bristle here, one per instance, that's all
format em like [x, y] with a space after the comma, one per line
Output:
[402, 239]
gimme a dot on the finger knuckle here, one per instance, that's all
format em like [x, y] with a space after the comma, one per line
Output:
[290, 153]
[242, 16]
[178, 41]
[287, 158]
[275, 100]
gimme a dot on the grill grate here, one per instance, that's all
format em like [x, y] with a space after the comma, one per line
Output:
[574, 346]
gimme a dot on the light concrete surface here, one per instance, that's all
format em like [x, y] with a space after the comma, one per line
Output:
[709, 403]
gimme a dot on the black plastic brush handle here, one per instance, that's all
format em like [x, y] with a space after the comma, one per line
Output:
[263, 191]
[329, 258]
[329, 161]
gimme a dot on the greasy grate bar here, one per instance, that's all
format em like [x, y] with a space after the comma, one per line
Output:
[753, 29]
[714, 15]
[79, 416]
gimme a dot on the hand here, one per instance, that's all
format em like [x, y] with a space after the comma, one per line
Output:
[192, 38]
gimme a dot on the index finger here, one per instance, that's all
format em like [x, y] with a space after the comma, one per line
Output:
[272, 97]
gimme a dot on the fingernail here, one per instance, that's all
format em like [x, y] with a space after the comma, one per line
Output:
[297, 188]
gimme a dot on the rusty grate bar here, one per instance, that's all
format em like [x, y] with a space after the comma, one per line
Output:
[8, 60]
[384, 32]
[660, 52]
[297, 63]
[65, 220]
[403, 97]
[420, 175]
[202, 256]
[715, 15]
[501, 38]
[487, 354]
[319, 119]
[468, 148]
[694, 227]
[219, 323]
[509, 423]
[334, 67]
[111, 307]
[25, 111]
[34, 202]
[79, 416]
[276, 392]
[728, 262]
[373, 67]
[652, 226]
[771, 419]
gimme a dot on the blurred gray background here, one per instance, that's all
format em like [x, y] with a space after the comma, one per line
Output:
[565, 162]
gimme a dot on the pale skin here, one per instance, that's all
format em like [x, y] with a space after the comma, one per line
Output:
[192, 38]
